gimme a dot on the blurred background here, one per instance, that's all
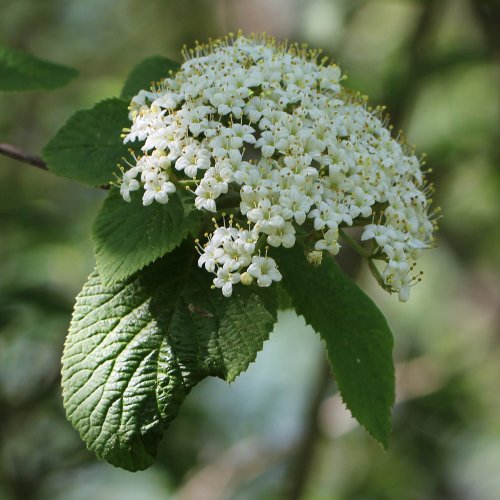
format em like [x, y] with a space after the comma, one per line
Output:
[280, 431]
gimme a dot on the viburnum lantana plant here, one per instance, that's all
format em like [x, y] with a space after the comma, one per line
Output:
[271, 127]
[234, 178]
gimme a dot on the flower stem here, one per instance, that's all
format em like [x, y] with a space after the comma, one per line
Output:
[377, 276]
[355, 245]
[187, 182]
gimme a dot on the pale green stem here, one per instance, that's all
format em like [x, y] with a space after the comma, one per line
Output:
[378, 277]
[355, 245]
[187, 182]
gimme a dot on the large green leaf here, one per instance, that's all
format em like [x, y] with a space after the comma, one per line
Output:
[22, 71]
[88, 147]
[128, 236]
[357, 338]
[135, 350]
[149, 71]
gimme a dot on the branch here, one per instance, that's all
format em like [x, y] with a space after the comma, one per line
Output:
[16, 154]
[302, 464]
[402, 93]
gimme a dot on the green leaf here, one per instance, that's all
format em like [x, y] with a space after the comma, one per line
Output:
[22, 71]
[88, 147]
[147, 72]
[357, 338]
[135, 350]
[128, 236]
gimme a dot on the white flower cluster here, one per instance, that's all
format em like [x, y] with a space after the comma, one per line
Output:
[271, 127]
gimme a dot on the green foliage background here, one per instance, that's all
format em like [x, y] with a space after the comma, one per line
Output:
[436, 66]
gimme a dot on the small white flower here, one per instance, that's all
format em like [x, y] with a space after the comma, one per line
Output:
[210, 257]
[192, 159]
[329, 242]
[157, 192]
[381, 234]
[206, 193]
[128, 184]
[284, 236]
[225, 280]
[295, 205]
[264, 270]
